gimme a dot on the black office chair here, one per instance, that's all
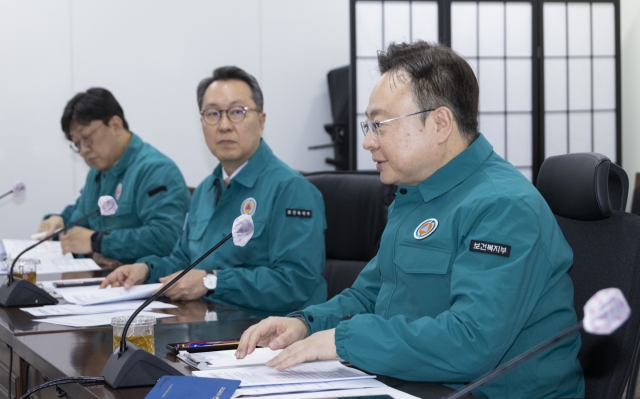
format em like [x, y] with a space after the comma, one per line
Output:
[587, 193]
[356, 206]
[635, 201]
[338, 80]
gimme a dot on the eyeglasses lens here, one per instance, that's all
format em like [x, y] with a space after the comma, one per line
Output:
[235, 114]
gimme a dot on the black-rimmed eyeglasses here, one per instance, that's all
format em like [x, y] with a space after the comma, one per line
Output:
[235, 114]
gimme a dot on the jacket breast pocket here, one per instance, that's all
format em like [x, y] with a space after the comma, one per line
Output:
[422, 280]
[256, 251]
[419, 259]
[257, 247]
[196, 229]
[258, 230]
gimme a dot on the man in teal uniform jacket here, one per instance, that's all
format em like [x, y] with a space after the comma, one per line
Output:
[472, 266]
[279, 270]
[150, 191]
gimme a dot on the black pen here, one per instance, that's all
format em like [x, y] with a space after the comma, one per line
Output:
[76, 283]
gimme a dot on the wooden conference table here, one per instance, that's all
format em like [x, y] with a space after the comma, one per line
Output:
[41, 351]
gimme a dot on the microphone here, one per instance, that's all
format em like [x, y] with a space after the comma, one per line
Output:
[17, 190]
[131, 366]
[604, 312]
[18, 292]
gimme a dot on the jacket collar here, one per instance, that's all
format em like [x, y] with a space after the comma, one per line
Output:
[249, 174]
[457, 170]
[127, 157]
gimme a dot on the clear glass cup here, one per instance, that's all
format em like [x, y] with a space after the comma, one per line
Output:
[24, 269]
[140, 333]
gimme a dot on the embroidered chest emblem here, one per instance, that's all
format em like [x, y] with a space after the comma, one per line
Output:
[118, 191]
[425, 229]
[248, 207]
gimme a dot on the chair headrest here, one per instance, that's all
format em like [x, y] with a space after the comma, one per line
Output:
[583, 186]
[356, 205]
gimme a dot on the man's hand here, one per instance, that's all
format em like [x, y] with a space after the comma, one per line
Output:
[76, 240]
[188, 288]
[127, 276]
[51, 224]
[274, 332]
[319, 346]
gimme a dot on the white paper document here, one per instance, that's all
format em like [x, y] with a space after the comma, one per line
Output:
[308, 387]
[46, 250]
[66, 310]
[117, 294]
[321, 371]
[394, 393]
[61, 265]
[227, 358]
[94, 320]
[64, 265]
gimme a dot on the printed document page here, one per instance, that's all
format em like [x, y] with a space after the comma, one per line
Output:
[65, 265]
[46, 250]
[227, 358]
[321, 371]
[60, 265]
[380, 391]
[117, 294]
[309, 387]
[94, 320]
[66, 310]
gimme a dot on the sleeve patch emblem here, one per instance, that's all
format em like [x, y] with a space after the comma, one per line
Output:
[299, 213]
[157, 190]
[490, 248]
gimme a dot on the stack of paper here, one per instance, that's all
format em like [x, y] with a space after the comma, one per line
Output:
[336, 393]
[95, 307]
[46, 250]
[327, 378]
[65, 310]
[62, 265]
[49, 253]
[309, 387]
[226, 359]
[313, 372]
[93, 320]
[117, 294]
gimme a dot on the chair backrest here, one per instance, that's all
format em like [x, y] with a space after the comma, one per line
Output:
[587, 193]
[635, 201]
[356, 205]
[338, 80]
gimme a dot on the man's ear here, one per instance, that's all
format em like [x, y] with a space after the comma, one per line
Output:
[263, 118]
[116, 124]
[444, 123]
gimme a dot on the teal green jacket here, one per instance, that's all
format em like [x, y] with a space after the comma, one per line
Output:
[279, 270]
[451, 301]
[152, 202]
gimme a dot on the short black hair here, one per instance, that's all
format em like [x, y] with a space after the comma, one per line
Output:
[95, 103]
[439, 77]
[232, 73]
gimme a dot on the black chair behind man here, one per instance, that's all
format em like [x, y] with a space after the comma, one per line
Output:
[339, 130]
[635, 201]
[356, 206]
[588, 193]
